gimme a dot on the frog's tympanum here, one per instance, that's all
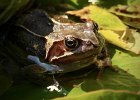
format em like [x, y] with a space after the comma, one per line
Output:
[61, 47]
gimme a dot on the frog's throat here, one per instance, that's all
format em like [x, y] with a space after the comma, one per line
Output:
[73, 66]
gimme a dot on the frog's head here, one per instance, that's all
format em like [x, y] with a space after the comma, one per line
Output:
[72, 49]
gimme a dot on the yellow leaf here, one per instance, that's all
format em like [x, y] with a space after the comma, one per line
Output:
[128, 40]
[105, 19]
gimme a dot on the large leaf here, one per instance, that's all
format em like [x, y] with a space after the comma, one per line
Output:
[110, 80]
[105, 95]
[108, 3]
[128, 40]
[133, 2]
[129, 14]
[126, 11]
[105, 19]
[129, 62]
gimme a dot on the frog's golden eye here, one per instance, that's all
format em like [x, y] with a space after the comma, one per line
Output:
[71, 43]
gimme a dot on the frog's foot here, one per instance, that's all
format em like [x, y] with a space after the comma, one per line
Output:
[47, 67]
[102, 64]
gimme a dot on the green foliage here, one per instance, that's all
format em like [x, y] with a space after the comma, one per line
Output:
[105, 95]
[5, 83]
[128, 62]
[9, 8]
[110, 3]
[106, 20]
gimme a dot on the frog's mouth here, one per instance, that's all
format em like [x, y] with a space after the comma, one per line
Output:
[72, 62]
[72, 57]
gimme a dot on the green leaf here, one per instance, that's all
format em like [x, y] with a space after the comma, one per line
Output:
[76, 4]
[128, 62]
[129, 22]
[128, 40]
[129, 14]
[110, 3]
[68, 4]
[11, 8]
[126, 14]
[105, 19]
[133, 2]
[105, 95]
[110, 80]
[48, 2]
[5, 83]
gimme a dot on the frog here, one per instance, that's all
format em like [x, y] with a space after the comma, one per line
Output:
[60, 47]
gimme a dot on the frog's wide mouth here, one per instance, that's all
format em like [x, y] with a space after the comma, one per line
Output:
[76, 65]
[69, 58]
[75, 61]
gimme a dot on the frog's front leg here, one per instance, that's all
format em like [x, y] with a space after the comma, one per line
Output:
[102, 64]
[104, 61]
[47, 67]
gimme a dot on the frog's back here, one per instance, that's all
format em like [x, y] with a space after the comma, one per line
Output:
[36, 21]
[30, 29]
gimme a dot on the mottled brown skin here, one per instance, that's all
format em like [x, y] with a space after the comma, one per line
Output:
[71, 46]
[89, 46]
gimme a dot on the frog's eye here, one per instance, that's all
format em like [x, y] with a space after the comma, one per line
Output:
[71, 43]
